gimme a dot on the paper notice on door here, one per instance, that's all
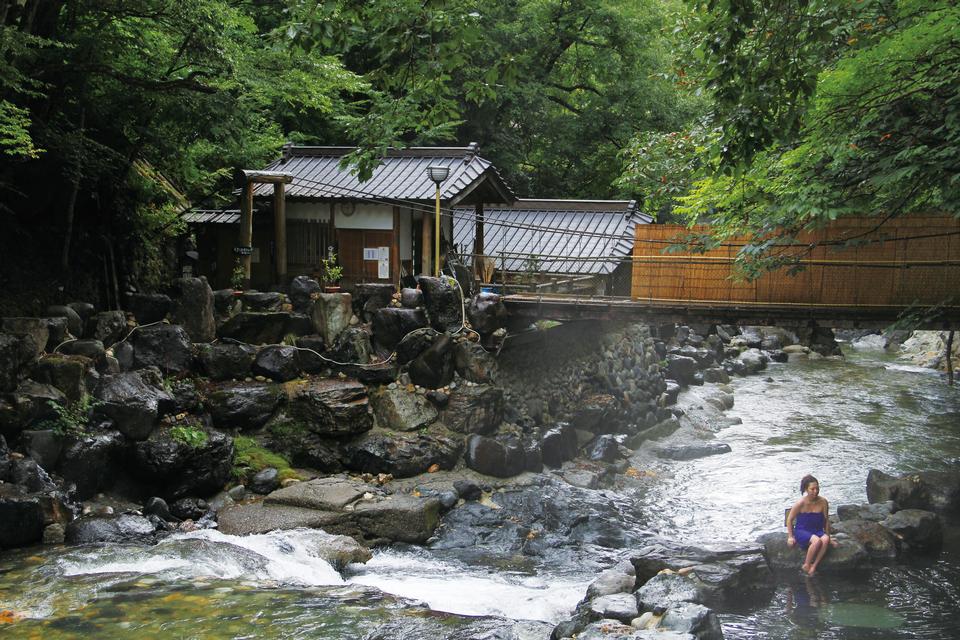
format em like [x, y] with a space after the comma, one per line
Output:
[383, 264]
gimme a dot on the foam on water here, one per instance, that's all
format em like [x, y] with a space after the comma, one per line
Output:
[464, 590]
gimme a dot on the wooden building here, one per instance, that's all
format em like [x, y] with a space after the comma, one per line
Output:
[380, 229]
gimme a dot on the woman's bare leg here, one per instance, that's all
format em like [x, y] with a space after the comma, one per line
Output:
[812, 552]
[824, 541]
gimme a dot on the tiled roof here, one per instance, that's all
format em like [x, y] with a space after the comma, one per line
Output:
[212, 216]
[317, 175]
[577, 234]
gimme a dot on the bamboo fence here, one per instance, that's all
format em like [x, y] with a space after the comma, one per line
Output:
[913, 260]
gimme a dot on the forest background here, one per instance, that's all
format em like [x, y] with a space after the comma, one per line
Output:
[764, 117]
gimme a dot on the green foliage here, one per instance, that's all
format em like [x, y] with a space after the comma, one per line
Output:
[238, 275]
[71, 419]
[249, 458]
[288, 435]
[330, 271]
[191, 435]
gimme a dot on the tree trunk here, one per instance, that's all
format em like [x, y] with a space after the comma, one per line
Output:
[72, 203]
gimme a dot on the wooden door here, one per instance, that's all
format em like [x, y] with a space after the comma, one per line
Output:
[352, 243]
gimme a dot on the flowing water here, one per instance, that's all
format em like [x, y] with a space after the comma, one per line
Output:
[836, 419]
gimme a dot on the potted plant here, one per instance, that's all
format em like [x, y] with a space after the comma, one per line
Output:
[330, 273]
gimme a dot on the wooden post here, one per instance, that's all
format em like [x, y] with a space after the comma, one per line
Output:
[280, 230]
[426, 265]
[395, 249]
[246, 229]
[478, 240]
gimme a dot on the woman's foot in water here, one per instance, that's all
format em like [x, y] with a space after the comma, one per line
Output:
[805, 569]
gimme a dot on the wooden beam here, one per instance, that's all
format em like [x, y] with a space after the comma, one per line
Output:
[264, 177]
[246, 230]
[395, 249]
[280, 230]
[478, 240]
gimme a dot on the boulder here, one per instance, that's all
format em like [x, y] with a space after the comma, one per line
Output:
[311, 355]
[819, 339]
[402, 454]
[474, 363]
[559, 444]
[671, 392]
[92, 349]
[148, 308]
[695, 619]
[872, 512]
[916, 529]
[411, 298]
[617, 579]
[133, 401]
[474, 409]
[498, 457]
[616, 606]
[849, 554]
[334, 408]
[369, 297]
[89, 462]
[225, 305]
[681, 368]
[259, 301]
[226, 360]
[83, 309]
[442, 302]
[57, 333]
[243, 406]
[352, 346]
[303, 291]
[331, 315]
[30, 475]
[194, 309]
[692, 450]
[397, 519]
[933, 491]
[125, 527]
[596, 413]
[256, 328]
[66, 373]
[752, 361]
[390, 325]
[42, 445]
[74, 322]
[175, 468]
[324, 494]
[21, 518]
[32, 334]
[879, 542]
[277, 362]
[487, 312]
[415, 343]
[107, 326]
[669, 590]
[397, 409]
[166, 346]
[605, 448]
[265, 481]
[435, 366]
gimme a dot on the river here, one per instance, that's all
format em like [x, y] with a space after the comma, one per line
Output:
[834, 418]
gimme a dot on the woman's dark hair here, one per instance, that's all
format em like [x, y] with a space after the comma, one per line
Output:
[806, 480]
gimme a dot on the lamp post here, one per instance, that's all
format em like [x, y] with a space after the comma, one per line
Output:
[438, 174]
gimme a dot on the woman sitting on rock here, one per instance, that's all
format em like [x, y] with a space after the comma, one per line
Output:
[808, 524]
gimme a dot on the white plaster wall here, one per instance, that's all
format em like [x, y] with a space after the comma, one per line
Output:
[313, 211]
[366, 216]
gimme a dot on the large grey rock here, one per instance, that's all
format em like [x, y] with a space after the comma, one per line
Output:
[559, 444]
[474, 409]
[74, 322]
[849, 554]
[880, 542]
[42, 445]
[435, 366]
[692, 450]
[116, 528]
[331, 315]
[194, 309]
[66, 373]
[752, 360]
[21, 518]
[487, 312]
[166, 346]
[263, 301]
[411, 298]
[369, 297]
[303, 291]
[352, 346]
[57, 333]
[335, 408]
[695, 619]
[498, 457]
[325, 494]
[31, 403]
[257, 328]
[916, 529]
[872, 512]
[107, 327]
[415, 343]
[32, 333]
[89, 462]
[398, 518]
[243, 406]
[390, 325]
[681, 368]
[133, 401]
[402, 454]
[474, 363]
[668, 590]
[88, 348]
[620, 578]
[31, 476]
[616, 606]
[442, 302]
[933, 491]
[175, 469]
[399, 410]
[277, 362]
[148, 308]
[226, 360]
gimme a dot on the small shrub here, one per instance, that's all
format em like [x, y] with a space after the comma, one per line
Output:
[71, 419]
[190, 435]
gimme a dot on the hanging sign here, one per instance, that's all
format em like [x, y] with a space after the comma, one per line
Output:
[243, 251]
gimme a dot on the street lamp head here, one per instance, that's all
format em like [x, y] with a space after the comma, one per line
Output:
[438, 173]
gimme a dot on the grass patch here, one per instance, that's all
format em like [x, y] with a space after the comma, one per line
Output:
[249, 458]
